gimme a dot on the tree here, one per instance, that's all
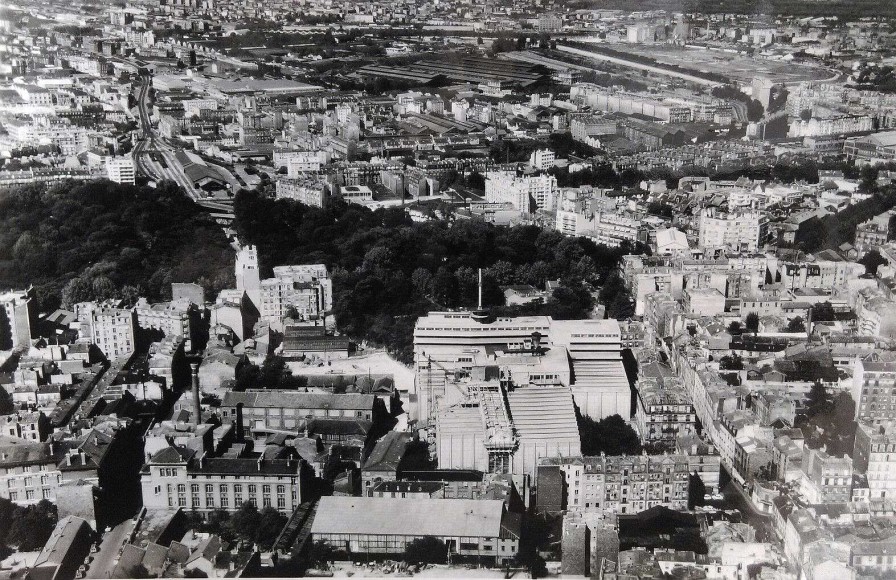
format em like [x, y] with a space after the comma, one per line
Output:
[731, 363]
[796, 325]
[271, 523]
[752, 322]
[611, 435]
[31, 526]
[735, 328]
[696, 491]
[872, 260]
[246, 521]
[426, 550]
[823, 312]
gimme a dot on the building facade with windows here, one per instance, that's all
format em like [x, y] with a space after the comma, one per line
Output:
[28, 471]
[179, 477]
[616, 484]
[479, 529]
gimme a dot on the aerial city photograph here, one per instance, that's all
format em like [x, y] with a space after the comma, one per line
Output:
[476, 289]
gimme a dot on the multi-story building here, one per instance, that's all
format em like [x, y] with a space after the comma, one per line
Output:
[33, 426]
[306, 288]
[180, 477]
[524, 193]
[173, 318]
[587, 127]
[875, 457]
[451, 345]
[121, 169]
[874, 148]
[745, 231]
[874, 390]
[825, 479]
[663, 411]
[309, 190]
[248, 275]
[542, 159]
[111, 329]
[28, 471]
[257, 411]
[616, 484]
[18, 318]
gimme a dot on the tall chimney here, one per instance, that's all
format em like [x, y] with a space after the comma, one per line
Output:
[197, 408]
[480, 289]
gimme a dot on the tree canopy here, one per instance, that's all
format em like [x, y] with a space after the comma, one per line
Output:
[611, 435]
[95, 240]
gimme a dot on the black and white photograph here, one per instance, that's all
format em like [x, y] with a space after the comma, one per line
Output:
[474, 289]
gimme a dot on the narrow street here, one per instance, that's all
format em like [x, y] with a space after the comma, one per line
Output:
[736, 498]
[105, 560]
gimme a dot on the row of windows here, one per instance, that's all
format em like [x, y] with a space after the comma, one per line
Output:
[29, 481]
[222, 488]
[29, 495]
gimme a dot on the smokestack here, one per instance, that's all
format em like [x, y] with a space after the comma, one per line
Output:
[480, 289]
[197, 409]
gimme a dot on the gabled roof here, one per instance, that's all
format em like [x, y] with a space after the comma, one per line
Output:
[174, 454]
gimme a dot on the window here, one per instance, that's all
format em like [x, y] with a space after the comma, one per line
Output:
[46, 494]
[224, 501]
[194, 488]
[209, 488]
[158, 489]
[252, 489]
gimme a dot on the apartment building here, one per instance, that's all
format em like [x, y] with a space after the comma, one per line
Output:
[874, 457]
[307, 288]
[180, 477]
[121, 169]
[309, 190]
[874, 391]
[616, 484]
[173, 318]
[525, 193]
[825, 479]
[18, 318]
[663, 411]
[28, 471]
[736, 232]
[110, 328]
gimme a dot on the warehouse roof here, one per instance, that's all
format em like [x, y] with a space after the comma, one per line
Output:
[408, 517]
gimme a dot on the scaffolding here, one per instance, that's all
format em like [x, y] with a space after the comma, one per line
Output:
[500, 439]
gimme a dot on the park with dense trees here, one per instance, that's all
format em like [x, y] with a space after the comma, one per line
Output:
[91, 241]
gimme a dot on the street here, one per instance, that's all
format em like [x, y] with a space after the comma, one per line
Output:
[105, 560]
[735, 497]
